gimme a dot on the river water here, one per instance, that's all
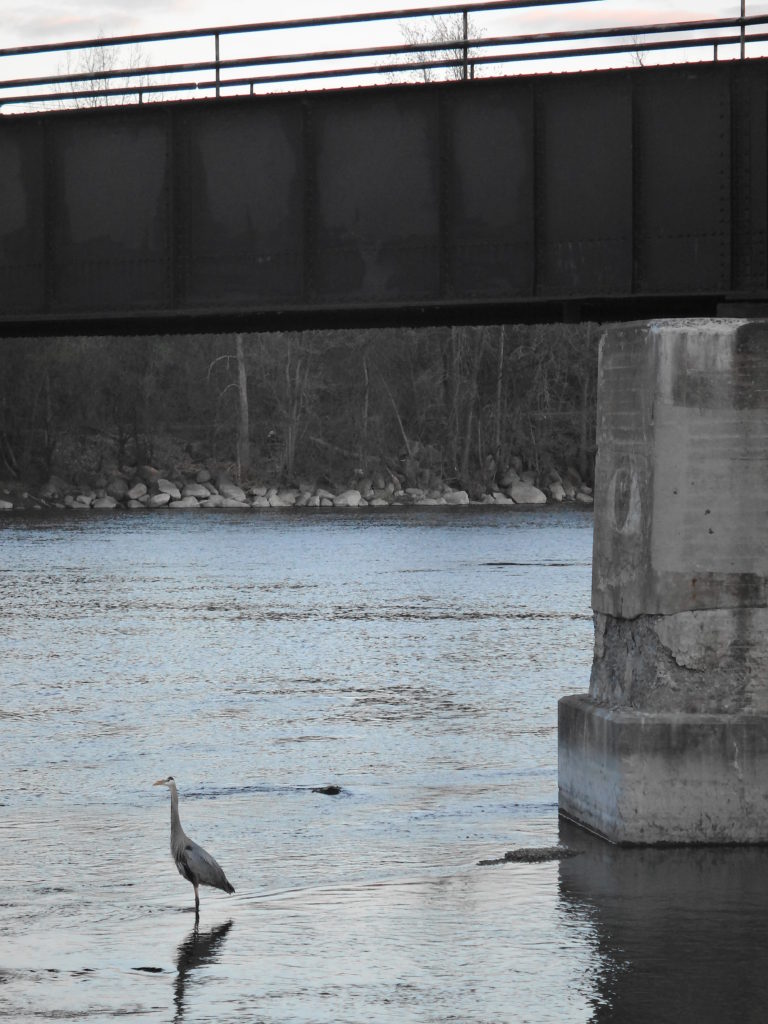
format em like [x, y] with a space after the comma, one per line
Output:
[414, 658]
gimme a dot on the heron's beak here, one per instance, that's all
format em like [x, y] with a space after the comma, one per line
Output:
[160, 782]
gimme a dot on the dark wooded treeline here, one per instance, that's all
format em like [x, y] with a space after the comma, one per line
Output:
[462, 402]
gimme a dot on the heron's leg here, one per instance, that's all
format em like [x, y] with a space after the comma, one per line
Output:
[197, 900]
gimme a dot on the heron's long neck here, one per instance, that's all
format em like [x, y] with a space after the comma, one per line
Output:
[175, 819]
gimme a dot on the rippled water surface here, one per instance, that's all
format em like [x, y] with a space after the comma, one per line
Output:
[413, 658]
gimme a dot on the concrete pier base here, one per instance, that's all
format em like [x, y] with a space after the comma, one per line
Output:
[639, 778]
[671, 744]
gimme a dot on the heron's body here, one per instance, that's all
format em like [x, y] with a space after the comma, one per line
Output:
[192, 861]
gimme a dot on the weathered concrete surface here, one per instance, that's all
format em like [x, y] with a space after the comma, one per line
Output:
[663, 778]
[713, 661]
[671, 744]
[681, 478]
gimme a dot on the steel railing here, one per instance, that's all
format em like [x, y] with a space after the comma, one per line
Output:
[460, 56]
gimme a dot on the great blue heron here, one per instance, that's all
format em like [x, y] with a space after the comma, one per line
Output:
[192, 861]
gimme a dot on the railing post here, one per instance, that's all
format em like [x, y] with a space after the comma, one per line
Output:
[465, 24]
[218, 69]
[743, 29]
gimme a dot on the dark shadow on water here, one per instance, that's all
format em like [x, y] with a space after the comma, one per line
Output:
[679, 934]
[199, 949]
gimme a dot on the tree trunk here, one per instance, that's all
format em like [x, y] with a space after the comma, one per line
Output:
[49, 439]
[584, 432]
[293, 405]
[366, 406]
[474, 346]
[466, 443]
[499, 395]
[453, 397]
[243, 425]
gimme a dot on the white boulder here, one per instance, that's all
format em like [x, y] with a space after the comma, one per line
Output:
[348, 499]
[556, 491]
[195, 490]
[137, 491]
[527, 494]
[456, 498]
[168, 487]
[117, 488]
[228, 488]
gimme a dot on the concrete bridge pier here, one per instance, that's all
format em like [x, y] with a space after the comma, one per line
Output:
[671, 743]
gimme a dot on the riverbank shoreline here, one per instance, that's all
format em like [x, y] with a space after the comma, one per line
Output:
[147, 488]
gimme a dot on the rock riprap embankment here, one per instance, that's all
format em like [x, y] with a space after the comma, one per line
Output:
[144, 487]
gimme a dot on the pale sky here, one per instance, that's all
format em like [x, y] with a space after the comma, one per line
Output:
[37, 21]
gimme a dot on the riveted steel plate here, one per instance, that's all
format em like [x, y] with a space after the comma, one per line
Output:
[584, 155]
[22, 237]
[107, 210]
[683, 193]
[488, 210]
[239, 233]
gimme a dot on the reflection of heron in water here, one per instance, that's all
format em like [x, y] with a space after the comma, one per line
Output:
[192, 861]
[199, 949]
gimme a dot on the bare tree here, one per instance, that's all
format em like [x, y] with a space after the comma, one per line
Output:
[638, 54]
[99, 63]
[240, 386]
[451, 29]
[243, 423]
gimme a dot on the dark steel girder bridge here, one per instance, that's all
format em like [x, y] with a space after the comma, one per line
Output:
[600, 194]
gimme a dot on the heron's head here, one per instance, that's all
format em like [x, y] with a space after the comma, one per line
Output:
[165, 782]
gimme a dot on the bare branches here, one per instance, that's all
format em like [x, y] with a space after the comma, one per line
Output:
[243, 422]
[639, 55]
[451, 29]
[467, 403]
[96, 63]
[226, 358]
[397, 415]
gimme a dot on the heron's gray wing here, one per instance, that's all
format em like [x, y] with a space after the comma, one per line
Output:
[203, 868]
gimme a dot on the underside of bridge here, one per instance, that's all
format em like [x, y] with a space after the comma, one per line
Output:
[608, 195]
